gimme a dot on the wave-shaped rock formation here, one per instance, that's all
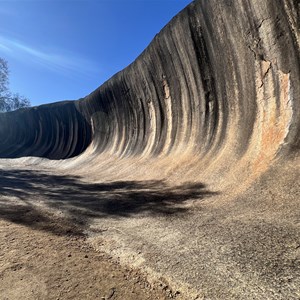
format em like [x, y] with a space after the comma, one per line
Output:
[222, 76]
[214, 98]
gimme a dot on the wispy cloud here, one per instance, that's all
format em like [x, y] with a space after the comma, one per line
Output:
[4, 48]
[58, 61]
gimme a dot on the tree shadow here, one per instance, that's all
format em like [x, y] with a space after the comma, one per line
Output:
[79, 202]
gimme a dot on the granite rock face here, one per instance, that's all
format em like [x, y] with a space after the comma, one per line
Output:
[222, 75]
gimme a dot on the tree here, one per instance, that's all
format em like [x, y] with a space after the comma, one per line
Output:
[9, 101]
[4, 93]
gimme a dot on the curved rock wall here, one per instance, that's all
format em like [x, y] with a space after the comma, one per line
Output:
[220, 82]
[54, 131]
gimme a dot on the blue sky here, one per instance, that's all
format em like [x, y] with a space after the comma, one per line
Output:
[64, 49]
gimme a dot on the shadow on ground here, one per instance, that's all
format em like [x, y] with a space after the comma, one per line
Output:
[79, 201]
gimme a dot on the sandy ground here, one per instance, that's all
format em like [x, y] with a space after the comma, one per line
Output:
[44, 254]
[35, 264]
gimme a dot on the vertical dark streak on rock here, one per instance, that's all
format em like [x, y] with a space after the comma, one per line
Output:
[205, 67]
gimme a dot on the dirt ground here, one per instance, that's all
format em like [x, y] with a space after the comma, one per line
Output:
[44, 250]
[35, 264]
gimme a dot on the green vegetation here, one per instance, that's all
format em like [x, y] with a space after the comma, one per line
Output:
[9, 101]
